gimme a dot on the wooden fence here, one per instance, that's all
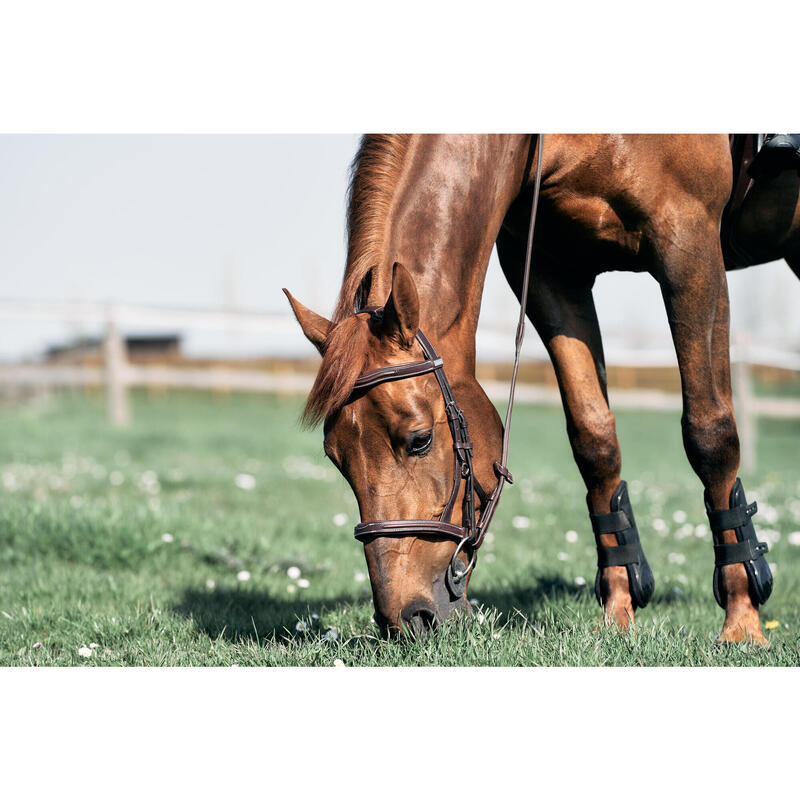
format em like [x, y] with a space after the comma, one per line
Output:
[117, 375]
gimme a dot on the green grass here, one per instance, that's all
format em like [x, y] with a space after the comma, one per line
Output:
[84, 511]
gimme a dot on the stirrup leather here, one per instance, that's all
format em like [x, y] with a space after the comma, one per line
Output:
[628, 553]
[747, 550]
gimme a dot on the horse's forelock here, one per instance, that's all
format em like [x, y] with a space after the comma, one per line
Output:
[345, 355]
[375, 172]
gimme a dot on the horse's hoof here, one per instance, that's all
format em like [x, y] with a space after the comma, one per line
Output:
[620, 616]
[737, 634]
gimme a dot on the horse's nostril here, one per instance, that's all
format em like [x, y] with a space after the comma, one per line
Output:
[418, 619]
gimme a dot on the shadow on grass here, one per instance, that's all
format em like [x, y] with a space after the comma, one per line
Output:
[553, 589]
[545, 589]
[238, 615]
[241, 616]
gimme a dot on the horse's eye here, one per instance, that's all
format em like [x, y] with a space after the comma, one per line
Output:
[419, 443]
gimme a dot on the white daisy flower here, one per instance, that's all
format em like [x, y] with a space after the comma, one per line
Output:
[301, 627]
[679, 516]
[85, 652]
[360, 577]
[303, 583]
[167, 537]
[245, 481]
[210, 584]
[580, 581]
[571, 536]
[293, 573]
[339, 519]
[794, 538]
[768, 513]
[337, 662]
[291, 588]
[243, 575]
[332, 634]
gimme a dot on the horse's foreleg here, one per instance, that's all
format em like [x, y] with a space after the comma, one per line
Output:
[696, 296]
[566, 320]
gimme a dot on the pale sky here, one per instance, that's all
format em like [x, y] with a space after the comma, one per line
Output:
[207, 221]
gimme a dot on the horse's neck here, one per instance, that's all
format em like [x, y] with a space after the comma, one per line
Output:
[445, 215]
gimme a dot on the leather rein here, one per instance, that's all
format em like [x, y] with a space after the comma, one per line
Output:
[471, 533]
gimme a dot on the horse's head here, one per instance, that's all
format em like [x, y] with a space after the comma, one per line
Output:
[393, 444]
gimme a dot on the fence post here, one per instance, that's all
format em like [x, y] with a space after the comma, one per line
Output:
[746, 420]
[119, 412]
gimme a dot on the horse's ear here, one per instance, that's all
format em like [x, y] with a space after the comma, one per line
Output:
[314, 326]
[401, 312]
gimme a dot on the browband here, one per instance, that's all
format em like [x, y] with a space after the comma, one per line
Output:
[396, 373]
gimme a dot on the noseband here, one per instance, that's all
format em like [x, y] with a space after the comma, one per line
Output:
[470, 534]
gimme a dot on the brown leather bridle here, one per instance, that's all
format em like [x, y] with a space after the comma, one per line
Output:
[471, 533]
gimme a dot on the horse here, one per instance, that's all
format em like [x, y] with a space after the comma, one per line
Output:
[424, 212]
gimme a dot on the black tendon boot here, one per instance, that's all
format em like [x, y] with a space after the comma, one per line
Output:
[747, 550]
[628, 553]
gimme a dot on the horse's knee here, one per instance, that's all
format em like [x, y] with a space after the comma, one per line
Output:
[712, 443]
[595, 446]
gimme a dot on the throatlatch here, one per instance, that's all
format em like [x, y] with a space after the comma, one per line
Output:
[746, 550]
[628, 553]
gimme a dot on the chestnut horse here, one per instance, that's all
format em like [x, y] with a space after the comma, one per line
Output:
[424, 213]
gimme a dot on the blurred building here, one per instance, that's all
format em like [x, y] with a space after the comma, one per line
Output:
[88, 350]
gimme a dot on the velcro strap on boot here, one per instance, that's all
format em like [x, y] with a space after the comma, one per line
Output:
[731, 518]
[738, 552]
[623, 553]
[618, 556]
[615, 522]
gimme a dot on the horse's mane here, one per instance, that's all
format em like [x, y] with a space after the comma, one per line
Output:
[374, 174]
[373, 177]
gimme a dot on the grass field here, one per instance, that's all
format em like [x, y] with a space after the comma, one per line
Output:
[174, 543]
